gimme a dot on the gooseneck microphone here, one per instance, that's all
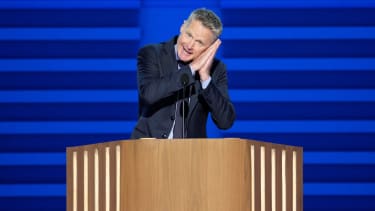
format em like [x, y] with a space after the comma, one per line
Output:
[184, 81]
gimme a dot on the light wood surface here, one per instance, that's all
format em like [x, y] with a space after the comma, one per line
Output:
[186, 175]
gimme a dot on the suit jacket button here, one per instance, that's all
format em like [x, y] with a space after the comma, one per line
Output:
[173, 118]
[164, 135]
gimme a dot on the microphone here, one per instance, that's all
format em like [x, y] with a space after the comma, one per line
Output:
[184, 81]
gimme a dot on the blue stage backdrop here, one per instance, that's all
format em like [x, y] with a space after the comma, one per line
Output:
[301, 72]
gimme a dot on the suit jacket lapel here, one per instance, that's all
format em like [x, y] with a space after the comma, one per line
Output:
[168, 57]
[168, 62]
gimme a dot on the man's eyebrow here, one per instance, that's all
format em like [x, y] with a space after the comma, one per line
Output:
[200, 41]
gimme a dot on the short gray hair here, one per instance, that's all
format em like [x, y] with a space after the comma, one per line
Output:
[208, 19]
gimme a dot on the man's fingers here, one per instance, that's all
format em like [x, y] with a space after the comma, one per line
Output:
[218, 42]
[215, 46]
[207, 56]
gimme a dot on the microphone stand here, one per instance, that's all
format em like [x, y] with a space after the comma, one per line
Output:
[183, 112]
[184, 81]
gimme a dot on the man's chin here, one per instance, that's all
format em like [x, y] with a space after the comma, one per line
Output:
[188, 60]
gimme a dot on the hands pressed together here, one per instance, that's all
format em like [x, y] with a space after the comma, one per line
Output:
[203, 63]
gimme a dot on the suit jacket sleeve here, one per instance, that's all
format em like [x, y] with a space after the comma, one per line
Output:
[217, 98]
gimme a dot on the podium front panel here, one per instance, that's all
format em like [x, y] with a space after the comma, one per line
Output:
[184, 175]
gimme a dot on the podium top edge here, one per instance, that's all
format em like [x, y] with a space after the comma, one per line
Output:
[150, 140]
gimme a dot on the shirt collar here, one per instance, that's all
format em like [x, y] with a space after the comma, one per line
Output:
[175, 51]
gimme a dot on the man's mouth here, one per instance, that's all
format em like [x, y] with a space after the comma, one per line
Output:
[186, 51]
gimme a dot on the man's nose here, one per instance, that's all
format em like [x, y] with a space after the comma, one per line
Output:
[191, 44]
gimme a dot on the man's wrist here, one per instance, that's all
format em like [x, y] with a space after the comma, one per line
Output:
[204, 77]
[206, 82]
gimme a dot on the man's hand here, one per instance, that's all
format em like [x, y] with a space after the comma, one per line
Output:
[203, 63]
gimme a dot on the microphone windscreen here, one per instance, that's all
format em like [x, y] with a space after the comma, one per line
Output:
[184, 79]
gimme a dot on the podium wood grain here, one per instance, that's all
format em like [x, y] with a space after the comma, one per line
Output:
[185, 175]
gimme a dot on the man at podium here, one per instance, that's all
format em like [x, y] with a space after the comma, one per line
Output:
[180, 82]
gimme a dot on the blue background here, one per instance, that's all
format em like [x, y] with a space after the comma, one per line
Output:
[301, 72]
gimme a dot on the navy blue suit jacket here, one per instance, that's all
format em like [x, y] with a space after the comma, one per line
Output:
[159, 87]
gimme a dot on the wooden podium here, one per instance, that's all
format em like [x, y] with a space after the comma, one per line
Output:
[184, 175]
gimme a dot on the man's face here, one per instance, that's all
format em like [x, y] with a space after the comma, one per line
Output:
[193, 40]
